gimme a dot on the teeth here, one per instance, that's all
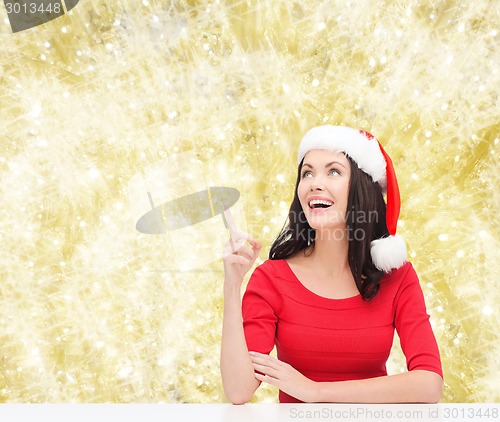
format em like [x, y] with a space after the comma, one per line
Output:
[315, 202]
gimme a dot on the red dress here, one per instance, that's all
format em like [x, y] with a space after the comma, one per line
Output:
[337, 339]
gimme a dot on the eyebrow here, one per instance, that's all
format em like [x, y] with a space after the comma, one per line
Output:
[326, 166]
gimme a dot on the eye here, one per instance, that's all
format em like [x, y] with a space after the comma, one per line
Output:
[307, 173]
[334, 172]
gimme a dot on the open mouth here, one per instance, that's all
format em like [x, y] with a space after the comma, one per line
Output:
[319, 204]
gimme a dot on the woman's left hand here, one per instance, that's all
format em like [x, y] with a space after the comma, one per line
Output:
[284, 376]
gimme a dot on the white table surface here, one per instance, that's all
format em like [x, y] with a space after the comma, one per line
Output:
[245, 413]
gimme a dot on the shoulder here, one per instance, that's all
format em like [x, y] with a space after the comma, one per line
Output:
[271, 275]
[268, 272]
[265, 283]
[402, 274]
[399, 279]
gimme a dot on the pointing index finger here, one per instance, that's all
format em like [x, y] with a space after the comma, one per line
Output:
[230, 223]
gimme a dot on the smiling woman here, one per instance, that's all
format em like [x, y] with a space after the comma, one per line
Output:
[323, 189]
[334, 289]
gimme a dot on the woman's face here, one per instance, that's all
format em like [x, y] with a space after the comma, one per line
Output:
[323, 188]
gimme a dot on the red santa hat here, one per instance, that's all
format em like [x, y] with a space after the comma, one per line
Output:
[365, 150]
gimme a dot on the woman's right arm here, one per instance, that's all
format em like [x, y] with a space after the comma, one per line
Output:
[238, 377]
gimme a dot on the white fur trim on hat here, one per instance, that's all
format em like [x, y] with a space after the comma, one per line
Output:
[363, 151]
[388, 252]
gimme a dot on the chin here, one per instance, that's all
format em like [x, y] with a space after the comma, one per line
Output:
[329, 231]
[329, 223]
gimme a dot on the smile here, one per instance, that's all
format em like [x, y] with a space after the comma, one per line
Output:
[320, 204]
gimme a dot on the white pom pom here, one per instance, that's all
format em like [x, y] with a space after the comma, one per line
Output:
[388, 253]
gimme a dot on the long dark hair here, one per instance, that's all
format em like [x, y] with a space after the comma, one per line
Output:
[365, 221]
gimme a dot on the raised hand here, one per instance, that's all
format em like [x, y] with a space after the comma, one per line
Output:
[239, 254]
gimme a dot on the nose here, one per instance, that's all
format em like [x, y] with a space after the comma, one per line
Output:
[317, 184]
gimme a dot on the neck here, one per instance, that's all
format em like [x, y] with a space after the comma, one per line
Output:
[330, 252]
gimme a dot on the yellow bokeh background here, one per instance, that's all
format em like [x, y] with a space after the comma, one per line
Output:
[116, 99]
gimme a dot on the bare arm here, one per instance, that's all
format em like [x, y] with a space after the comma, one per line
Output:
[410, 387]
[238, 377]
[417, 386]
